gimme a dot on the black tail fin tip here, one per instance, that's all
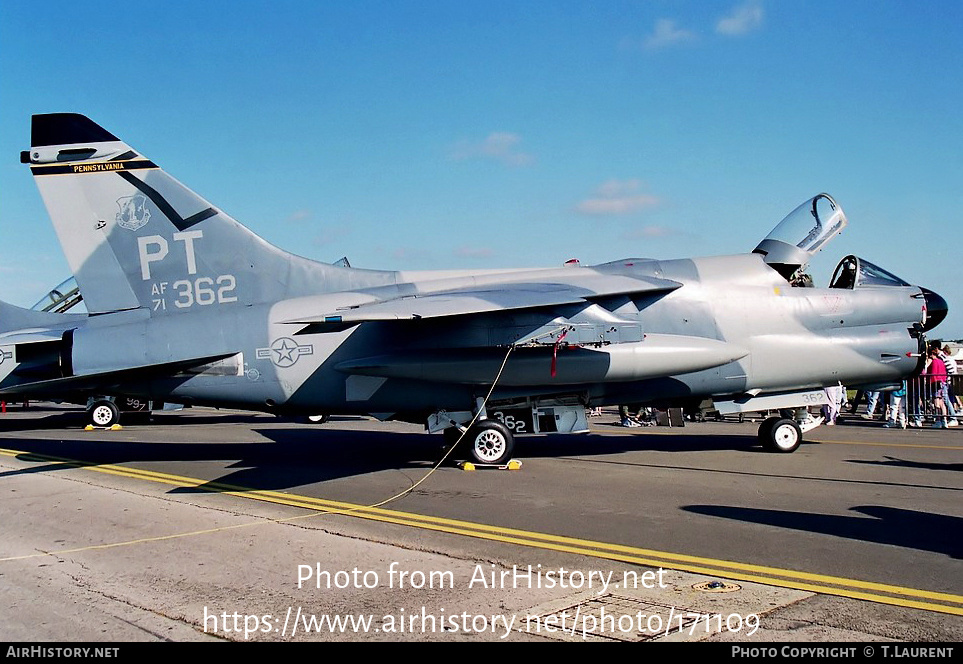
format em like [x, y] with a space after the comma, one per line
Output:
[66, 129]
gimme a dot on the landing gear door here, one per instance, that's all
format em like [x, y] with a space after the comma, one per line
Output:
[802, 234]
[542, 419]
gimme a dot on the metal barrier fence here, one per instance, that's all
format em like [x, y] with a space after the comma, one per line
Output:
[922, 396]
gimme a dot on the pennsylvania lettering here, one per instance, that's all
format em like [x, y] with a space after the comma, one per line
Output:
[99, 166]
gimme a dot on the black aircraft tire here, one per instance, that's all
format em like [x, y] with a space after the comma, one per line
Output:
[765, 429]
[103, 413]
[490, 442]
[784, 438]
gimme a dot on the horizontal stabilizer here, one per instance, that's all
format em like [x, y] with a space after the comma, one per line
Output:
[104, 382]
[20, 320]
[30, 336]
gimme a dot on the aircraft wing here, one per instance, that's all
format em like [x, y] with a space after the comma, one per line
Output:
[491, 298]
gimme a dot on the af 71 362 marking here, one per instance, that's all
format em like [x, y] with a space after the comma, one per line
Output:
[201, 291]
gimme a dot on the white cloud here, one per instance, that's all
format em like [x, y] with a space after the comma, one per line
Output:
[613, 188]
[600, 207]
[499, 145]
[330, 235]
[649, 232]
[474, 252]
[666, 33]
[617, 197]
[410, 253]
[300, 215]
[744, 19]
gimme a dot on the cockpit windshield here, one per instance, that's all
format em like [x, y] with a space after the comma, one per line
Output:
[801, 234]
[855, 272]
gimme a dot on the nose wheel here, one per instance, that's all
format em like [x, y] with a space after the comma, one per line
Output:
[778, 434]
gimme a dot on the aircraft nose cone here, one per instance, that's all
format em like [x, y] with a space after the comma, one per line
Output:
[936, 309]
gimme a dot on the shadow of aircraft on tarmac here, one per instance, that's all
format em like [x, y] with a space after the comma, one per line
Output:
[908, 529]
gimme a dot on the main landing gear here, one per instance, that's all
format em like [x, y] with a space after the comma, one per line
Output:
[490, 440]
[103, 413]
[487, 441]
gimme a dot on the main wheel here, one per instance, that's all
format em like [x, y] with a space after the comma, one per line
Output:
[491, 442]
[784, 437]
[103, 413]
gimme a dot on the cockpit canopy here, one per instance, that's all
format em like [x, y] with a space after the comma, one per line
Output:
[855, 272]
[62, 298]
[802, 234]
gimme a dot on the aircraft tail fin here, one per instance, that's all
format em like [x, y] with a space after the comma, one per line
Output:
[135, 237]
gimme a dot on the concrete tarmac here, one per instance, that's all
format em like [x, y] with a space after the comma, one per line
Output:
[212, 525]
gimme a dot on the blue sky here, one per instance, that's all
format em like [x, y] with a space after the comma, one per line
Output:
[443, 134]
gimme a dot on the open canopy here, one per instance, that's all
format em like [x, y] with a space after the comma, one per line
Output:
[802, 234]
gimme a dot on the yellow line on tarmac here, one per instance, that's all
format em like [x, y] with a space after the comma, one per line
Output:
[818, 583]
[878, 444]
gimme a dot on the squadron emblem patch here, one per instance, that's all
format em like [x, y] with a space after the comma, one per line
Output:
[134, 213]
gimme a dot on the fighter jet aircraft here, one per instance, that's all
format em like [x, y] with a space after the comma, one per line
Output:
[186, 305]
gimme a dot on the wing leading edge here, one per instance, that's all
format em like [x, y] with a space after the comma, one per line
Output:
[490, 298]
